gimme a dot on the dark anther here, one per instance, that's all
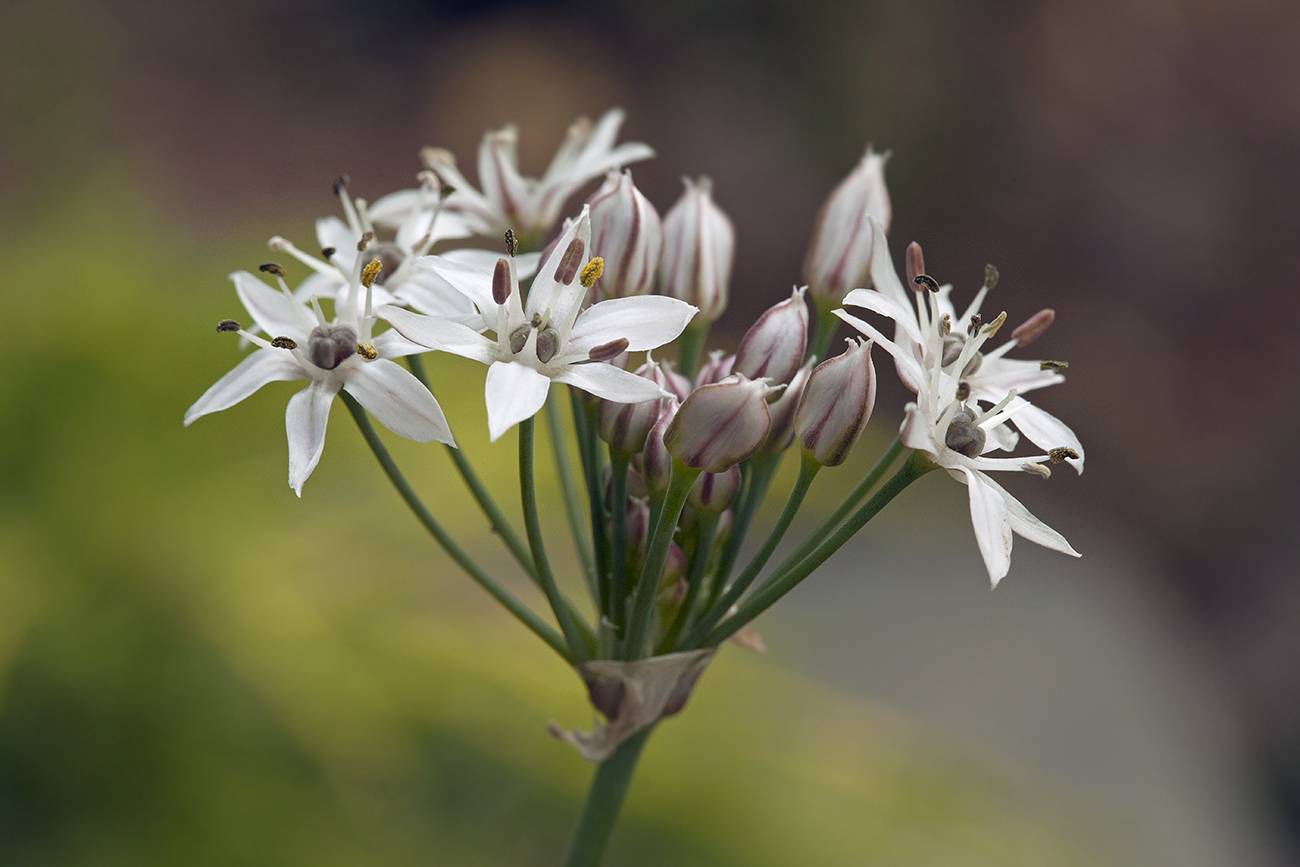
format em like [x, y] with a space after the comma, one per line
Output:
[608, 351]
[570, 262]
[284, 343]
[927, 281]
[1061, 453]
[327, 252]
[227, 325]
[963, 390]
[990, 276]
[512, 243]
[1054, 366]
[975, 322]
[272, 268]
[366, 238]
[340, 184]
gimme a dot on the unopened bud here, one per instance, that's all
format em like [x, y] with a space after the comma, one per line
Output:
[837, 404]
[699, 246]
[625, 425]
[656, 463]
[783, 411]
[1030, 330]
[716, 369]
[628, 234]
[774, 346]
[714, 492]
[839, 257]
[721, 424]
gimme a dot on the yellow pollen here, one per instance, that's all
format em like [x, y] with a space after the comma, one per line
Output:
[272, 268]
[284, 343]
[1054, 366]
[366, 351]
[591, 272]
[370, 272]
[992, 327]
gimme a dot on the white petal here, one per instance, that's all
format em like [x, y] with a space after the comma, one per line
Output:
[333, 232]
[880, 303]
[399, 401]
[514, 392]
[988, 514]
[915, 430]
[883, 276]
[440, 334]
[546, 290]
[391, 344]
[909, 370]
[430, 294]
[610, 382]
[1045, 430]
[305, 421]
[485, 260]
[273, 312]
[1024, 523]
[255, 371]
[321, 284]
[647, 321]
[468, 278]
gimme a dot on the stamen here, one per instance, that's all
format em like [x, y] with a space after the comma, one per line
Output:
[370, 272]
[328, 252]
[926, 281]
[992, 327]
[990, 276]
[1054, 366]
[570, 262]
[366, 351]
[341, 184]
[996, 408]
[512, 243]
[608, 351]
[272, 268]
[501, 280]
[435, 158]
[227, 325]
[945, 325]
[1030, 330]
[963, 391]
[915, 262]
[366, 238]
[591, 272]
[1061, 453]
[975, 322]
[1038, 470]
[284, 343]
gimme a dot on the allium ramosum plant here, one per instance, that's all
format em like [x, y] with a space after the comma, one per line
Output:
[675, 457]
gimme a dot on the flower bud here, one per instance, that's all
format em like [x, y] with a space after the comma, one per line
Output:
[699, 244]
[837, 404]
[721, 424]
[714, 492]
[625, 425]
[716, 369]
[775, 344]
[839, 257]
[656, 463]
[783, 410]
[674, 383]
[627, 233]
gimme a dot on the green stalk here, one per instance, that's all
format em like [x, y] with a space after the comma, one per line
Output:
[679, 485]
[604, 802]
[615, 603]
[689, 345]
[694, 580]
[787, 578]
[559, 605]
[589, 448]
[495, 516]
[572, 510]
[758, 473]
[808, 469]
[827, 322]
[525, 614]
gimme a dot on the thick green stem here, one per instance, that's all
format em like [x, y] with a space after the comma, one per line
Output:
[758, 473]
[572, 509]
[787, 578]
[563, 613]
[604, 802]
[615, 603]
[525, 614]
[679, 485]
[808, 469]
[584, 422]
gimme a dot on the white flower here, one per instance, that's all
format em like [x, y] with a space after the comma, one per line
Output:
[532, 206]
[551, 336]
[331, 355]
[418, 224]
[921, 337]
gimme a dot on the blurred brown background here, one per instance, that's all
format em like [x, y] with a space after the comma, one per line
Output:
[1134, 164]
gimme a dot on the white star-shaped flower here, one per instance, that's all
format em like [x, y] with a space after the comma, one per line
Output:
[418, 223]
[551, 336]
[532, 206]
[331, 355]
[920, 335]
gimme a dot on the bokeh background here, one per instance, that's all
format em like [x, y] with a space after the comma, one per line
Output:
[196, 667]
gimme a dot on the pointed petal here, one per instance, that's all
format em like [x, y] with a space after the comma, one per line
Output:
[514, 392]
[915, 430]
[440, 334]
[647, 321]
[883, 276]
[988, 514]
[399, 401]
[329, 285]
[305, 421]
[271, 310]
[255, 371]
[880, 303]
[909, 370]
[468, 278]
[1025, 524]
[610, 382]
[333, 232]
[547, 290]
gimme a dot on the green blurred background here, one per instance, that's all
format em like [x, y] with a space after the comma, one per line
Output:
[196, 667]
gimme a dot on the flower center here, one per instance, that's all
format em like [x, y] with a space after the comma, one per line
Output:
[331, 345]
[964, 436]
